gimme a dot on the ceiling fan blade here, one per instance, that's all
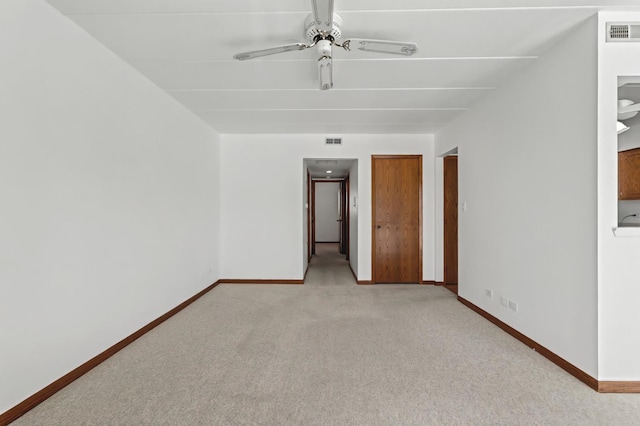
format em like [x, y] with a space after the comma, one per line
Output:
[325, 72]
[629, 108]
[381, 46]
[323, 14]
[271, 51]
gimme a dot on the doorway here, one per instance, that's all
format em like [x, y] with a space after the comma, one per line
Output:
[329, 216]
[327, 212]
[396, 182]
[343, 208]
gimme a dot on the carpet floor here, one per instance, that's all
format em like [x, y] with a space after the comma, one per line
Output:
[330, 352]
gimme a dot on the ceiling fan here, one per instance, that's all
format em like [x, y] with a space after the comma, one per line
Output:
[627, 109]
[323, 29]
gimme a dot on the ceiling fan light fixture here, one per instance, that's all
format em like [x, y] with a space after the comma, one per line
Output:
[324, 47]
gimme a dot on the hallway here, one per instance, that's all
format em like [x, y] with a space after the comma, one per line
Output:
[328, 267]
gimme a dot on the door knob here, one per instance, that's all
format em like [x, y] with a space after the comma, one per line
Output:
[379, 226]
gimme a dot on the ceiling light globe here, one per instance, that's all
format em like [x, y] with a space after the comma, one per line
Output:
[324, 48]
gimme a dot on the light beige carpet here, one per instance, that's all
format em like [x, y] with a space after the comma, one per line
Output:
[330, 352]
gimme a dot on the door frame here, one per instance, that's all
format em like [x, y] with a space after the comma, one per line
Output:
[313, 218]
[312, 224]
[346, 220]
[373, 213]
[310, 207]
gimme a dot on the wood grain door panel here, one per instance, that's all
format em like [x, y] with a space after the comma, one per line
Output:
[397, 213]
[629, 174]
[450, 173]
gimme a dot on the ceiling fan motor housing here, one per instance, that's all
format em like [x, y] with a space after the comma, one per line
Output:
[311, 31]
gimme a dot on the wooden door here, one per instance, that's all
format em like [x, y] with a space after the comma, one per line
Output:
[397, 219]
[629, 174]
[450, 220]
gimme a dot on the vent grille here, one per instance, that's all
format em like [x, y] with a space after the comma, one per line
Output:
[623, 31]
[619, 31]
[333, 141]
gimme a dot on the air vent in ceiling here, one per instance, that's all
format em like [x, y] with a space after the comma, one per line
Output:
[333, 141]
[623, 31]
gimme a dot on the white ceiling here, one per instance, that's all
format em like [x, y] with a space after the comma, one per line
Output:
[465, 49]
[318, 167]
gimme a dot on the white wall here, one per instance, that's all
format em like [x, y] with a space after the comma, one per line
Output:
[619, 268]
[353, 216]
[261, 217]
[527, 171]
[327, 225]
[109, 191]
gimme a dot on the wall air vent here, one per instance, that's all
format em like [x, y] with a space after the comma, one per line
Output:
[623, 31]
[333, 141]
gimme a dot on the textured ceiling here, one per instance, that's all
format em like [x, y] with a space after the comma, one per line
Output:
[465, 49]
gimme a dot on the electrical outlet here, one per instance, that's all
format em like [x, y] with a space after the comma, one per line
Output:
[488, 292]
[504, 301]
[513, 305]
